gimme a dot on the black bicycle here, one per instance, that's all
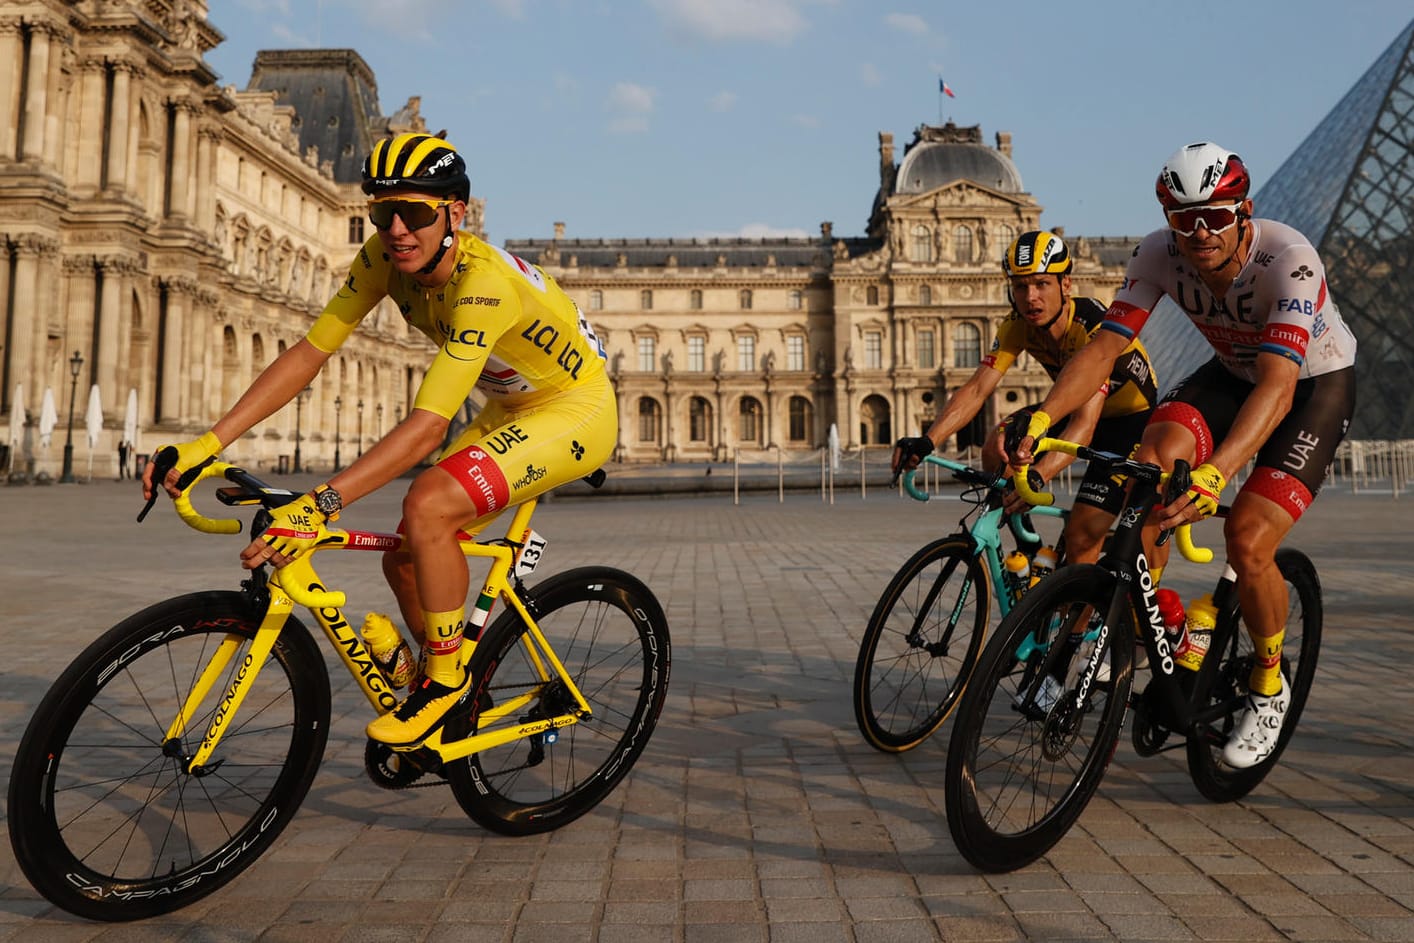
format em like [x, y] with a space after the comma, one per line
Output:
[1043, 712]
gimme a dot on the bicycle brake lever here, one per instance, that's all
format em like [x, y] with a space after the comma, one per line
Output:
[1179, 482]
[163, 462]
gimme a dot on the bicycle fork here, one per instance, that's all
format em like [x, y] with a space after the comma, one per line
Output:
[244, 675]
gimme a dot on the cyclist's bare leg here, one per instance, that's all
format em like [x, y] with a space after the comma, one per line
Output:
[435, 509]
[1255, 528]
[1085, 533]
[398, 571]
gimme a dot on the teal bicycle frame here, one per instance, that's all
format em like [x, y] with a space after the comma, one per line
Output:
[985, 534]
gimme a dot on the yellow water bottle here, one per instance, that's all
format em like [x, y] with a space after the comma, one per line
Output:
[390, 652]
[1198, 632]
[1045, 560]
[1018, 570]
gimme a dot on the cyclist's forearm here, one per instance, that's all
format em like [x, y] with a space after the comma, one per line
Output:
[408, 443]
[277, 384]
[962, 406]
[1083, 375]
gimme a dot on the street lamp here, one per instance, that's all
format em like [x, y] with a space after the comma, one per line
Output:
[360, 426]
[75, 365]
[299, 404]
[338, 405]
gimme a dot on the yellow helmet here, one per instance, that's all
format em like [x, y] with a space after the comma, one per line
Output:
[1037, 252]
[416, 162]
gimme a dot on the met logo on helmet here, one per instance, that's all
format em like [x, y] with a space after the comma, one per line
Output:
[444, 161]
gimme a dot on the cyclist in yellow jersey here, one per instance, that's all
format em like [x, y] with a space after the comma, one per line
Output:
[1052, 326]
[504, 328]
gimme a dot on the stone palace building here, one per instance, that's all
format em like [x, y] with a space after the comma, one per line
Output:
[163, 237]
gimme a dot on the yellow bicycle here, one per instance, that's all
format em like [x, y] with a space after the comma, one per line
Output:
[174, 749]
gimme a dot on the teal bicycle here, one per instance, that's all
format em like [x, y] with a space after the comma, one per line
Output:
[929, 625]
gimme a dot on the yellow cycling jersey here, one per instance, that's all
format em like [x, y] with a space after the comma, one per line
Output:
[1132, 386]
[502, 325]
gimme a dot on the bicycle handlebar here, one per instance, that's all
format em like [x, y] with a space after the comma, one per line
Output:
[1183, 532]
[194, 518]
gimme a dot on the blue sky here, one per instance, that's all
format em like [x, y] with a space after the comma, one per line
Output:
[657, 118]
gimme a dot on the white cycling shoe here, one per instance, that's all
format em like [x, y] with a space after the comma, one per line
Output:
[1255, 736]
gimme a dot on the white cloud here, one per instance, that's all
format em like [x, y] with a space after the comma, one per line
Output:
[907, 22]
[805, 121]
[631, 105]
[722, 101]
[778, 21]
[870, 76]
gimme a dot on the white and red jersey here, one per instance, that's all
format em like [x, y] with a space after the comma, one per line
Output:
[1278, 303]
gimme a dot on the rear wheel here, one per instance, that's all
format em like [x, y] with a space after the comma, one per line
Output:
[612, 637]
[920, 644]
[104, 818]
[1225, 689]
[1038, 723]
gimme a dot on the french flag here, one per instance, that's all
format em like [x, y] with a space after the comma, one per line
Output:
[945, 89]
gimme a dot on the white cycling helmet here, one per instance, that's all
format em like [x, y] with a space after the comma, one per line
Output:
[1202, 173]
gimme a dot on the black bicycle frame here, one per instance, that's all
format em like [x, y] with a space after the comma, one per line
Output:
[1129, 565]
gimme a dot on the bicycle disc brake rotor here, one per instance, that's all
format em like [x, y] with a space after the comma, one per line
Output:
[1062, 727]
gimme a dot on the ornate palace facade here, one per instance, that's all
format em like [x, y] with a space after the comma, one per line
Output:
[177, 234]
[719, 347]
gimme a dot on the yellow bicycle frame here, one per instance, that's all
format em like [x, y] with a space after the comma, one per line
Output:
[299, 583]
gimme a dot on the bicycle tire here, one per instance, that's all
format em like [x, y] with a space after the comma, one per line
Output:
[1018, 773]
[610, 633]
[1228, 684]
[920, 644]
[103, 821]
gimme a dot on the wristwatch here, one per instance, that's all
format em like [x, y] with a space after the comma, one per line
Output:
[328, 501]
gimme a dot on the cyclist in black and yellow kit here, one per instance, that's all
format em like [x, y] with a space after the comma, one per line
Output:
[503, 327]
[1052, 325]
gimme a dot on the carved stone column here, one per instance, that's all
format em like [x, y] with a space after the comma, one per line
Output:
[31, 291]
[181, 180]
[176, 355]
[36, 105]
[78, 285]
[9, 367]
[118, 128]
[89, 141]
[208, 142]
[117, 275]
[10, 50]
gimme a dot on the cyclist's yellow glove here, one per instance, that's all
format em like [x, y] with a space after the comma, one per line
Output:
[1038, 426]
[192, 454]
[295, 528]
[1205, 488]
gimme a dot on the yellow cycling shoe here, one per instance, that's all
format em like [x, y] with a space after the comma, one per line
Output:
[420, 713]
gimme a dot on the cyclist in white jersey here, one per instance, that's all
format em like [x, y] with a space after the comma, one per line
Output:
[1280, 389]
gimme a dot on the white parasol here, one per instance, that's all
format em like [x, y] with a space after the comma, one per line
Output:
[130, 421]
[48, 417]
[93, 421]
[17, 423]
[834, 447]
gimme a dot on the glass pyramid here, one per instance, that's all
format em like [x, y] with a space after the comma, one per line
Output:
[1349, 188]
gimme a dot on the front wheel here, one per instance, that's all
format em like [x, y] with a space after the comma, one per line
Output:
[612, 637]
[105, 820]
[1038, 723]
[1224, 689]
[920, 645]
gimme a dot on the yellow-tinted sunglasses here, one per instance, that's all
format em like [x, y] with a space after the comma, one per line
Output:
[415, 214]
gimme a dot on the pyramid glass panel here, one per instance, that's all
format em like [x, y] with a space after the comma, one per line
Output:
[1350, 189]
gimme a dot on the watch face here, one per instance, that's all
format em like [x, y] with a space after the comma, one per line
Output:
[329, 502]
